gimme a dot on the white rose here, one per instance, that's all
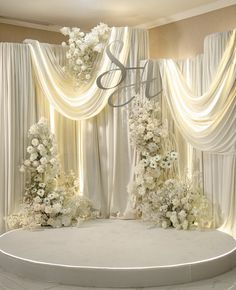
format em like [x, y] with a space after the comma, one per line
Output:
[35, 142]
[43, 160]
[35, 163]
[40, 169]
[30, 149]
[45, 142]
[41, 147]
[65, 30]
[37, 199]
[79, 61]
[33, 156]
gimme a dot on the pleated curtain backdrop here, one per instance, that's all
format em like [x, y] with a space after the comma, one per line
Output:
[107, 157]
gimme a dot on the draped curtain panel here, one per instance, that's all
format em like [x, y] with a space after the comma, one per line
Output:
[17, 113]
[214, 172]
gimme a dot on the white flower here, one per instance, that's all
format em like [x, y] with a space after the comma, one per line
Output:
[152, 147]
[153, 164]
[42, 185]
[30, 149]
[43, 160]
[145, 162]
[57, 207]
[46, 200]
[33, 129]
[22, 168]
[98, 47]
[79, 61]
[35, 142]
[37, 199]
[87, 76]
[141, 190]
[40, 169]
[65, 30]
[64, 44]
[48, 209]
[40, 192]
[33, 156]
[157, 158]
[83, 67]
[174, 155]
[148, 136]
[45, 142]
[41, 147]
[35, 163]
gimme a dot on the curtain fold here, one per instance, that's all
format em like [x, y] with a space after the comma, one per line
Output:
[207, 121]
[85, 101]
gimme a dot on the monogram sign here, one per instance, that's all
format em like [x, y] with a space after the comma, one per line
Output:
[143, 77]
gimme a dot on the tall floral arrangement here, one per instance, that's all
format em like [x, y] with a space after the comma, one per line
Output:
[157, 194]
[83, 50]
[51, 198]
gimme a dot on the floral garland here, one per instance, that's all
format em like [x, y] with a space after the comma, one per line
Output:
[83, 50]
[157, 195]
[51, 198]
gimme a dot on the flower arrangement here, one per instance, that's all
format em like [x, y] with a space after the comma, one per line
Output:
[51, 198]
[157, 194]
[83, 50]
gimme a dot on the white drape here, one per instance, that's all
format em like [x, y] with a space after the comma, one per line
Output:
[17, 113]
[107, 157]
[215, 172]
[86, 101]
[206, 121]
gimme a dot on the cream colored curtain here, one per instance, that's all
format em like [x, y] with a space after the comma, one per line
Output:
[88, 100]
[206, 121]
[107, 158]
[17, 113]
[214, 172]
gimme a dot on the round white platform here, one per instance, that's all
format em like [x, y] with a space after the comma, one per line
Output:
[117, 253]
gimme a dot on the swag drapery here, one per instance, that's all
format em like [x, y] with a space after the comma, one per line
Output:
[207, 121]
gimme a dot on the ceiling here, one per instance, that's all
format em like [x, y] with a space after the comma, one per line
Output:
[51, 14]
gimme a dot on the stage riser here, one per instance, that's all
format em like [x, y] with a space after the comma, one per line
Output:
[102, 277]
